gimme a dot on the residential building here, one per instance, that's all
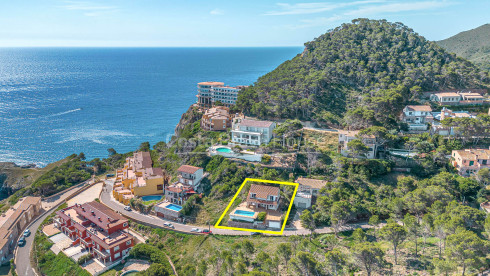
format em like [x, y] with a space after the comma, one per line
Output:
[217, 118]
[168, 210]
[189, 183]
[263, 196]
[469, 161]
[307, 191]
[458, 98]
[139, 177]
[178, 193]
[210, 92]
[345, 136]
[191, 176]
[97, 228]
[251, 132]
[438, 128]
[417, 117]
[13, 223]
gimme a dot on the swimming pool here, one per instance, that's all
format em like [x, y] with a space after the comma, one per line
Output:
[151, 197]
[225, 150]
[245, 213]
[174, 207]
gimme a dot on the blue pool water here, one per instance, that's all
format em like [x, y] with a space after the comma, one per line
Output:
[227, 150]
[174, 207]
[244, 213]
[151, 197]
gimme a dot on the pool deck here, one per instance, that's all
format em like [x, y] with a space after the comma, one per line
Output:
[243, 207]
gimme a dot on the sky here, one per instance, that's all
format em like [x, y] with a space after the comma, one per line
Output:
[213, 23]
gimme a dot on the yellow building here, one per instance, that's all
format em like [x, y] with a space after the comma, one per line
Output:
[138, 178]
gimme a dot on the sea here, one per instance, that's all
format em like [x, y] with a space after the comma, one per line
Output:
[58, 101]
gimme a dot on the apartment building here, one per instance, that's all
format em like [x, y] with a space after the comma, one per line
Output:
[417, 117]
[345, 136]
[210, 92]
[252, 132]
[469, 161]
[139, 177]
[13, 223]
[100, 230]
[217, 118]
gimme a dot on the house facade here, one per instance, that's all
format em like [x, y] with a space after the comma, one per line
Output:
[252, 132]
[262, 196]
[178, 193]
[346, 136]
[458, 98]
[469, 161]
[100, 230]
[307, 191]
[417, 117]
[217, 118]
[209, 92]
[438, 128]
[188, 184]
[13, 222]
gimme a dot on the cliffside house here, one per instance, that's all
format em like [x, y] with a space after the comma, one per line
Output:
[345, 136]
[438, 128]
[469, 161]
[263, 196]
[216, 118]
[417, 117]
[139, 178]
[209, 92]
[13, 223]
[189, 183]
[457, 98]
[307, 191]
[97, 228]
[251, 132]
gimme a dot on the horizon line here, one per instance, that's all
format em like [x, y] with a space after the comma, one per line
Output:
[5, 47]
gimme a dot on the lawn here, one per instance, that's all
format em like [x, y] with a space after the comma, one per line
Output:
[324, 140]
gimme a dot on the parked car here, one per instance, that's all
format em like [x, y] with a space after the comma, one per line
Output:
[197, 230]
[27, 232]
[206, 231]
[127, 208]
[168, 224]
[22, 241]
[255, 233]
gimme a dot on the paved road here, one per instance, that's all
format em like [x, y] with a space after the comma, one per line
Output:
[22, 256]
[107, 198]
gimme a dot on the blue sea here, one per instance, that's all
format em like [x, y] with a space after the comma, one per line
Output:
[59, 101]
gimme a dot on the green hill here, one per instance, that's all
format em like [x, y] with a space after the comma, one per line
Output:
[473, 45]
[358, 74]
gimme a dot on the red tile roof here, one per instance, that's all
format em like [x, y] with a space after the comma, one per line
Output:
[255, 123]
[108, 218]
[188, 169]
[426, 108]
[263, 191]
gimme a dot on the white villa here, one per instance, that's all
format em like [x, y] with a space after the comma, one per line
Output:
[417, 117]
[346, 136]
[251, 132]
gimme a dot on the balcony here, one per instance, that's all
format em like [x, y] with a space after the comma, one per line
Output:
[103, 253]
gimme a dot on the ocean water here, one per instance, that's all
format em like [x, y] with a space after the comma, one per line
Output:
[59, 101]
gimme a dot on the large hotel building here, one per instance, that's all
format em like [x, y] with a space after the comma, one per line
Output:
[210, 92]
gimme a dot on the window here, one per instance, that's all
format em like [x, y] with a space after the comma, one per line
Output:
[116, 248]
[128, 243]
[253, 195]
[125, 224]
[471, 163]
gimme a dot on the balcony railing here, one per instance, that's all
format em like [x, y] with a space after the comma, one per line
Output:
[103, 253]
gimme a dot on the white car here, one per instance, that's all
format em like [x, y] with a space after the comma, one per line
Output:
[168, 224]
[127, 208]
[197, 230]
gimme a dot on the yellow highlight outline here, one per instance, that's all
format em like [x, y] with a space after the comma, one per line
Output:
[257, 230]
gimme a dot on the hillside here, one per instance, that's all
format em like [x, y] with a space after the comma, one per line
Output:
[473, 45]
[367, 70]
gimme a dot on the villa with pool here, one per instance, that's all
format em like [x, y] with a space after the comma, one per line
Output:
[260, 199]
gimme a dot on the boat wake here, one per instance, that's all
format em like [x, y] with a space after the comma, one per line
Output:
[63, 113]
